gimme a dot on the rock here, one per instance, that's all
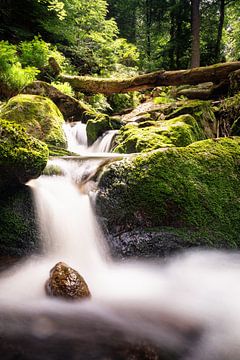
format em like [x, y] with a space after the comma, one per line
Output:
[38, 115]
[18, 225]
[71, 108]
[22, 157]
[67, 283]
[203, 113]
[193, 190]
[229, 116]
[180, 131]
[99, 125]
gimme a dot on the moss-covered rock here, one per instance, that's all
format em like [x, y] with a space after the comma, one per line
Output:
[180, 131]
[194, 190]
[22, 157]
[203, 113]
[229, 116]
[18, 230]
[97, 126]
[39, 115]
[71, 108]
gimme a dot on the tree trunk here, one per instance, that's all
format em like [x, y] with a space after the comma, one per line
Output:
[195, 21]
[214, 73]
[220, 29]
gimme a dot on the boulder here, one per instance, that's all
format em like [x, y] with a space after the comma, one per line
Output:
[97, 126]
[22, 157]
[18, 224]
[180, 131]
[38, 115]
[65, 282]
[192, 192]
[71, 108]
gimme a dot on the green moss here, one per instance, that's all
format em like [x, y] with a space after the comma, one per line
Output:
[39, 115]
[19, 235]
[196, 188]
[97, 126]
[229, 116]
[51, 170]
[203, 113]
[22, 157]
[180, 131]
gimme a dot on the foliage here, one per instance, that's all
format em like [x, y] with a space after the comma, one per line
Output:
[37, 53]
[12, 74]
[65, 88]
[121, 102]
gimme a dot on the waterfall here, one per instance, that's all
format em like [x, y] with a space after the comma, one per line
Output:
[77, 139]
[189, 302]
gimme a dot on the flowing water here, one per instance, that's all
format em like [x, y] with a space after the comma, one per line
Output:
[190, 304]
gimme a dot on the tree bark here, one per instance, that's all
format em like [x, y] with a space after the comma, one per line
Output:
[195, 21]
[214, 73]
[220, 29]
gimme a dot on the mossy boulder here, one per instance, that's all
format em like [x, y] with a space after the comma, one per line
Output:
[71, 108]
[180, 131]
[97, 126]
[191, 191]
[19, 234]
[203, 113]
[229, 116]
[38, 115]
[22, 157]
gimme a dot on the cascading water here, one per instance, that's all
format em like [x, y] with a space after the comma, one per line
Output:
[190, 305]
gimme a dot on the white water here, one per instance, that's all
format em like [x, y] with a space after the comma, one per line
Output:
[199, 290]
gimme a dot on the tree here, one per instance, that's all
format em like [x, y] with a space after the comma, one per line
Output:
[195, 22]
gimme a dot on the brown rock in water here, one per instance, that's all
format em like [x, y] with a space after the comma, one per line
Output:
[67, 283]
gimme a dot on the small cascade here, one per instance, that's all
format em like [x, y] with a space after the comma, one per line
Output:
[77, 139]
[104, 143]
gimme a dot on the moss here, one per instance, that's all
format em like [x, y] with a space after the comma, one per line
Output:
[19, 235]
[203, 113]
[229, 116]
[97, 126]
[51, 170]
[180, 131]
[22, 157]
[39, 115]
[195, 188]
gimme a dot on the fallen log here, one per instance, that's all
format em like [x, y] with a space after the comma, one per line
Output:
[214, 73]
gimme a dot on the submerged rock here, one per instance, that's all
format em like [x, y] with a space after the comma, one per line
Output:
[67, 283]
[194, 190]
[38, 115]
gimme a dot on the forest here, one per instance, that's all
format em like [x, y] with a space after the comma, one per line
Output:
[119, 179]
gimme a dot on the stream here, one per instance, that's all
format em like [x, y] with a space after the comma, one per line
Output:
[187, 307]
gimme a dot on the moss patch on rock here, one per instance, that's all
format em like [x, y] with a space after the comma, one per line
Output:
[18, 229]
[22, 157]
[97, 126]
[180, 131]
[203, 113]
[194, 188]
[229, 116]
[38, 115]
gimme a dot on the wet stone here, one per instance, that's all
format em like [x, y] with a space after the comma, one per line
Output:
[65, 282]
